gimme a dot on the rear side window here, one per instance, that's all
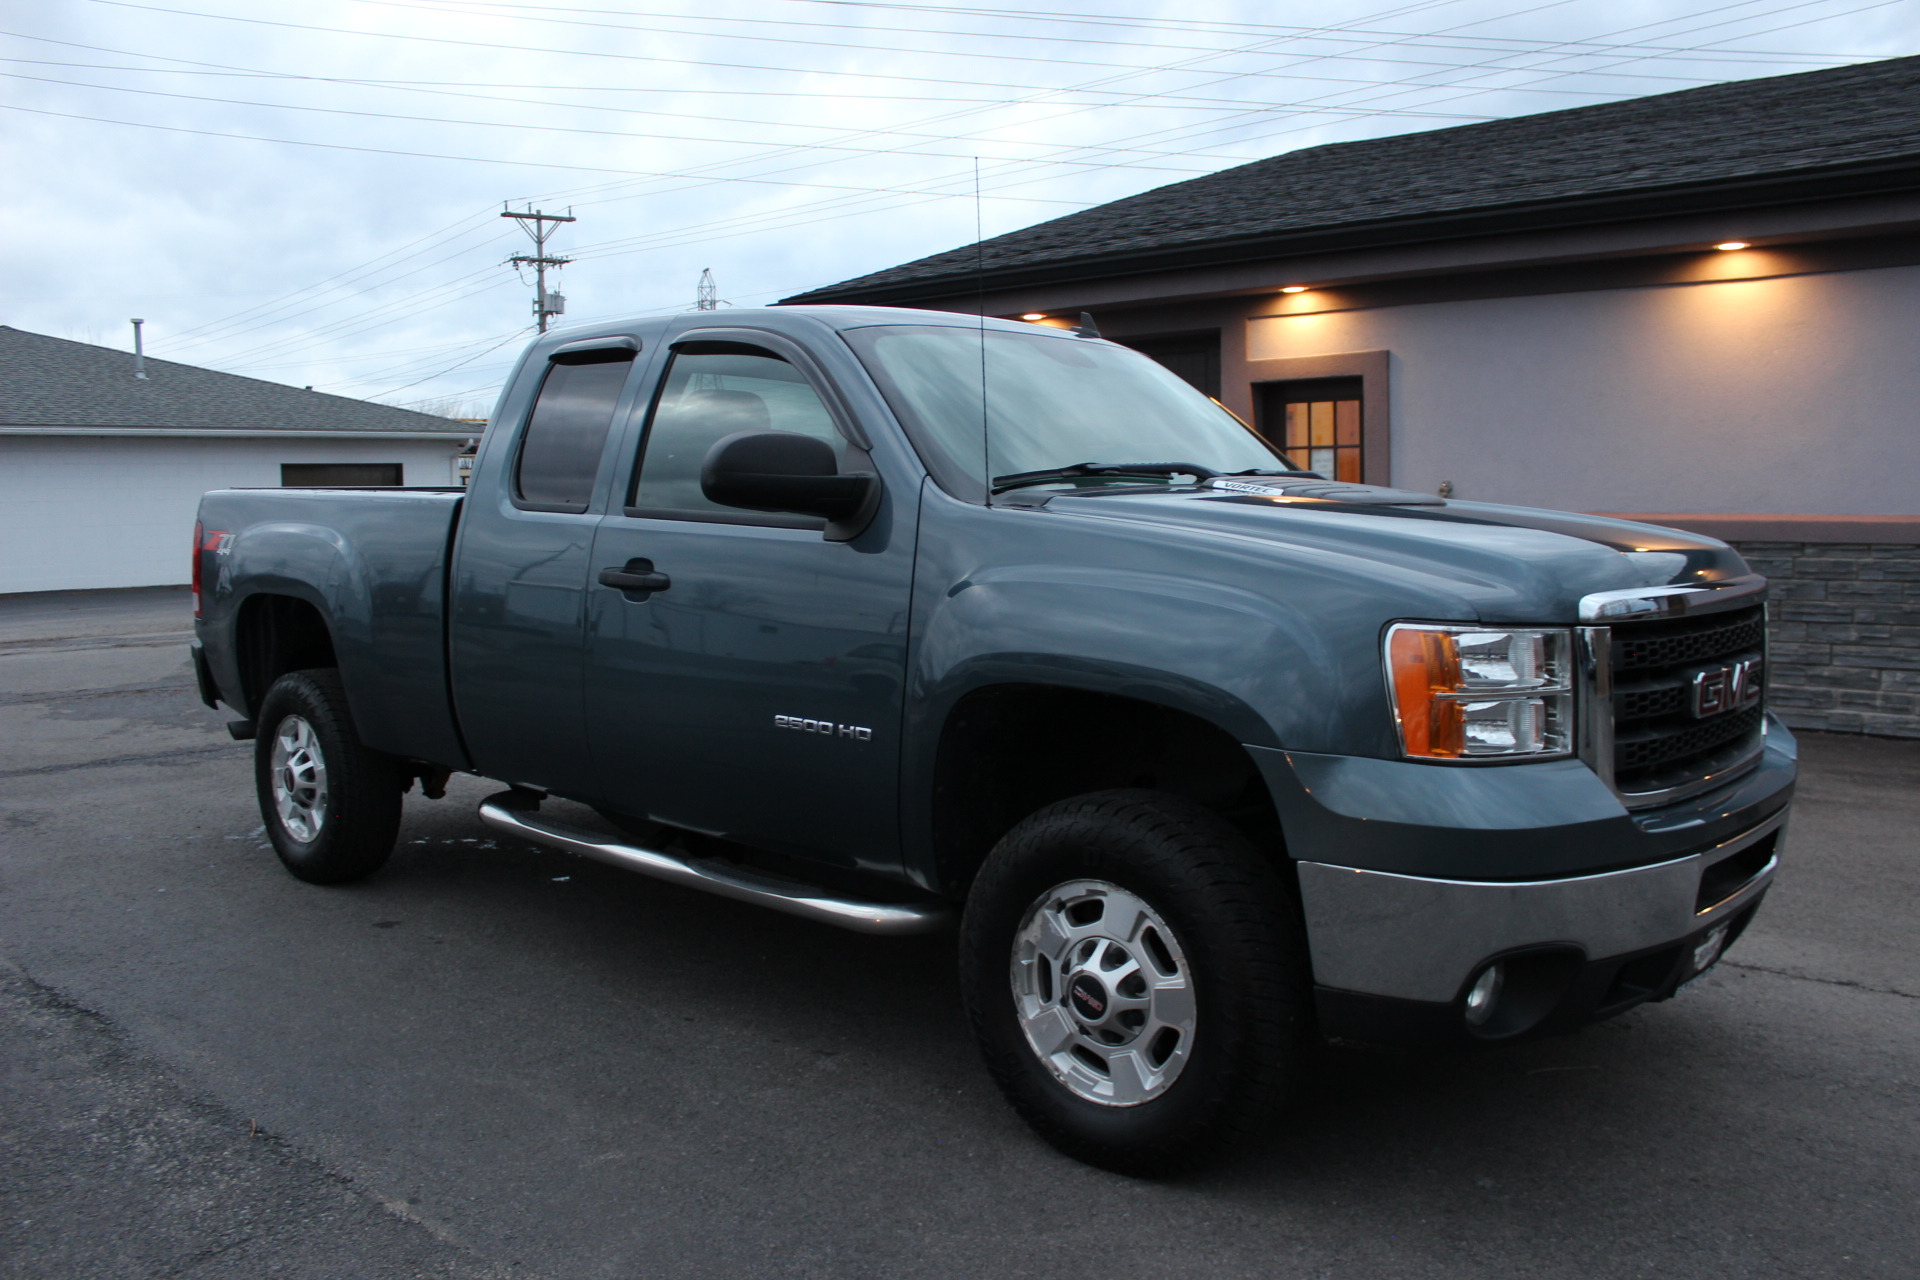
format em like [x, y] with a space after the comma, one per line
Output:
[568, 429]
[709, 393]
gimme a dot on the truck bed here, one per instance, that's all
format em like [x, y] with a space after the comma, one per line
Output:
[373, 564]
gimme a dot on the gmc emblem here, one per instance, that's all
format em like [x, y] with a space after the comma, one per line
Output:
[1728, 688]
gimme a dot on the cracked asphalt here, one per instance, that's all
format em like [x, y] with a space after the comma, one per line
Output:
[493, 1060]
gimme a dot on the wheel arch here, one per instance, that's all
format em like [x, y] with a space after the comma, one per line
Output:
[1004, 748]
[276, 632]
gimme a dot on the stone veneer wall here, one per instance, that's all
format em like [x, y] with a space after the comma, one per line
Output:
[1844, 634]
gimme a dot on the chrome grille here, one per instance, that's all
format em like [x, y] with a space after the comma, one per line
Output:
[1711, 637]
[1657, 741]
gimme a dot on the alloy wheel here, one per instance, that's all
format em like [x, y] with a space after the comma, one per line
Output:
[1103, 992]
[299, 773]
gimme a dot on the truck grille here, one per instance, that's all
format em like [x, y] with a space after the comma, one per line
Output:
[1657, 741]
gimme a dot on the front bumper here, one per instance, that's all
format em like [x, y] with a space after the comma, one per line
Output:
[1394, 956]
[1407, 905]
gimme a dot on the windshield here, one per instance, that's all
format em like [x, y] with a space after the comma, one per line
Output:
[1051, 401]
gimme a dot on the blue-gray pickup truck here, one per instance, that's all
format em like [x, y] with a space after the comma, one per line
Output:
[902, 620]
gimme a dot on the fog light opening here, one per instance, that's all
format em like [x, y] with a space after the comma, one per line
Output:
[1484, 995]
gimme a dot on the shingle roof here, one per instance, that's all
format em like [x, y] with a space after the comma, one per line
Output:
[52, 382]
[1723, 145]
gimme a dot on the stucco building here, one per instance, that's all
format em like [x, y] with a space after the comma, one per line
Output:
[101, 471]
[1700, 308]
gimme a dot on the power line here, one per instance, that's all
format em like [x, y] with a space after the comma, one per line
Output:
[450, 368]
[895, 195]
[629, 57]
[267, 312]
[705, 28]
[511, 124]
[656, 242]
[430, 155]
[438, 87]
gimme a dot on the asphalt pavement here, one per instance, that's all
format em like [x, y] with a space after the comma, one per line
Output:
[496, 1060]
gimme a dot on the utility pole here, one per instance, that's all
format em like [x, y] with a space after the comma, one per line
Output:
[545, 305]
[708, 297]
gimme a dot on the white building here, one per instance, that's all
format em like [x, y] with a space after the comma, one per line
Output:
[101, 471]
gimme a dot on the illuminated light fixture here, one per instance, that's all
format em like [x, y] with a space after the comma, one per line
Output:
[1034, 315]
[1728, 246]
[1294, 288]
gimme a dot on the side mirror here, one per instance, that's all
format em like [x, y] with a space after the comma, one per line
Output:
[782, 471]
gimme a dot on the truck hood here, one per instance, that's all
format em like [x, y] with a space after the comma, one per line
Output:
[1474, 560]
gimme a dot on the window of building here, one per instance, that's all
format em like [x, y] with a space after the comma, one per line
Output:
[1316, 422]
[710, 391]
[567, 430]
[339, 475]
[1195, 357]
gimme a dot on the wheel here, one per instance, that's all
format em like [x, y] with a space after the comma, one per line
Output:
[1136, 975]
[331, 805]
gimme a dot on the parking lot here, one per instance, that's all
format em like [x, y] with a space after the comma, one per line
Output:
[495, 1060]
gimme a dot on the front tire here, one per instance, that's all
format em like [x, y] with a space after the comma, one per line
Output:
[1136, 975]
[331, 805]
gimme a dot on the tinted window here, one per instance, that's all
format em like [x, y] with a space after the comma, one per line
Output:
[566, 432]
[707, 396]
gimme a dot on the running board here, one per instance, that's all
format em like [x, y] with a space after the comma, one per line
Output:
[504, 812]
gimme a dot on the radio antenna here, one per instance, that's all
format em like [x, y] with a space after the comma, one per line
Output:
[980, 278]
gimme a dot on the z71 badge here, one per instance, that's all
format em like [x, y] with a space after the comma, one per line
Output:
[859, 733]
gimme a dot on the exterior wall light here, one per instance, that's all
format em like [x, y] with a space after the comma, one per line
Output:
[1034, 315]
[1728, 246]
[1294, 288]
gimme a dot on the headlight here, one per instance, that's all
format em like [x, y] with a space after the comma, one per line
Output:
[1478, 692]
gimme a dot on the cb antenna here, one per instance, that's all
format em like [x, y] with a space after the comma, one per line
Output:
[545, 305]
[980, 278]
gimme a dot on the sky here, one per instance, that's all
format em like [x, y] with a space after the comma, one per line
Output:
[311, 192]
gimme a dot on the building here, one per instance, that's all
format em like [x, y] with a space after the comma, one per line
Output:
[1697, 308]
[101, 469]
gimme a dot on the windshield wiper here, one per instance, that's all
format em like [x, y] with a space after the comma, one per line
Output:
[1089, 470]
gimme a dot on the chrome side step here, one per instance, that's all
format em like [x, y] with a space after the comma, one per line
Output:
[810, 902]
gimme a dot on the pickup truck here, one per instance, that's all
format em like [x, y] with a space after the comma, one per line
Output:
[902, 621]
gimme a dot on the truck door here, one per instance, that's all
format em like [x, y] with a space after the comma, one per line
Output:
[757, 694]
[521, 572]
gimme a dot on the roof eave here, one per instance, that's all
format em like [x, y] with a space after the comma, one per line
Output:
[1877, 178]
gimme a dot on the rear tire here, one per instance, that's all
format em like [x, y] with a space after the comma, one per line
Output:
[331, 805]
[1136, 975]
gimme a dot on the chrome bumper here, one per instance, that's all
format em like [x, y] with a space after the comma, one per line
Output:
[1411, 938]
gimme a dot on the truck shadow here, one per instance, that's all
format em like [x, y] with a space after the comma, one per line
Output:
[883, 1018]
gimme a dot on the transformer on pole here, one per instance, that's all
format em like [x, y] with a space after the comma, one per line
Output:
[545, 305]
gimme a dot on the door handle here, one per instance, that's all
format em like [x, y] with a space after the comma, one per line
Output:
[636, 577]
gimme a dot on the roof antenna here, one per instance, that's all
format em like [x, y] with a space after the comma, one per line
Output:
[1086, 328]
[139, 352]
[980, 278]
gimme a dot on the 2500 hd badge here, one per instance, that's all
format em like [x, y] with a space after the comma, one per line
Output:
[859, 733]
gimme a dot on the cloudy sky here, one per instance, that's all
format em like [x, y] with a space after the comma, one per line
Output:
[310, 191]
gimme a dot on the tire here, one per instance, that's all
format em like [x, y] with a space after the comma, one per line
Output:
[331, 805]
[1159, 960]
